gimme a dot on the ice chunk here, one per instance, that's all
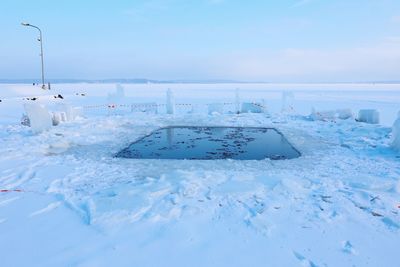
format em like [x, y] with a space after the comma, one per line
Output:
[170, 102]
[344, 114]
[77, 112]
[330, 115]
[197, 109]
[237, 101]
[323, 115]
[40, 119]
[63, 116]
[120, 92]
[250, 107]
[287, 101]
[215, 108]
[117, 96]
[25, 120]
[263, 106]
[56, 118]
[58, 147]
[396, 133]
[368, 116]
[68, 112]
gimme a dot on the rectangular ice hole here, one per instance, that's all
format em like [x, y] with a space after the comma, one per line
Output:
[210, 143]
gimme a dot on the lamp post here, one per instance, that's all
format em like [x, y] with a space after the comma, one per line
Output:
[41, 48]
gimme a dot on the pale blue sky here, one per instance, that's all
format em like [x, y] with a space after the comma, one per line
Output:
[280, 40]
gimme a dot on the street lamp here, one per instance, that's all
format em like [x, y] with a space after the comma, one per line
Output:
[41, 48]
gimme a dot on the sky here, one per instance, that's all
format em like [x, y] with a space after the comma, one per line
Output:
[257, 40]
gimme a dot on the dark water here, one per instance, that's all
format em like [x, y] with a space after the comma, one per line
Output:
[207, 143]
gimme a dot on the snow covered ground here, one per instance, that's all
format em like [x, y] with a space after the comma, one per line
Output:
[71, 203]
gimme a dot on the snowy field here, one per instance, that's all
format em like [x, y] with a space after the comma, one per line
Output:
[65, 200]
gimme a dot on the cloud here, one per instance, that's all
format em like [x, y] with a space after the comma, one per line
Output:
[375, 62]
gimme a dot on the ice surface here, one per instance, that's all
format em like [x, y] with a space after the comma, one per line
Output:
[67, 201]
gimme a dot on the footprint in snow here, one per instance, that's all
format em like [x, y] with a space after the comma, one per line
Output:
[23, 177]
[304, 262]
[390, 223]
[348, 248]
[7, 201]
[49, 208]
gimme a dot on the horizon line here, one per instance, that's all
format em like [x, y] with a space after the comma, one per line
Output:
[198, 81]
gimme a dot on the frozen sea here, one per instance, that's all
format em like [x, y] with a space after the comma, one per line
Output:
[65, 200]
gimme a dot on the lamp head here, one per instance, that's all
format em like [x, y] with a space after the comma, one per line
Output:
[25, 24]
